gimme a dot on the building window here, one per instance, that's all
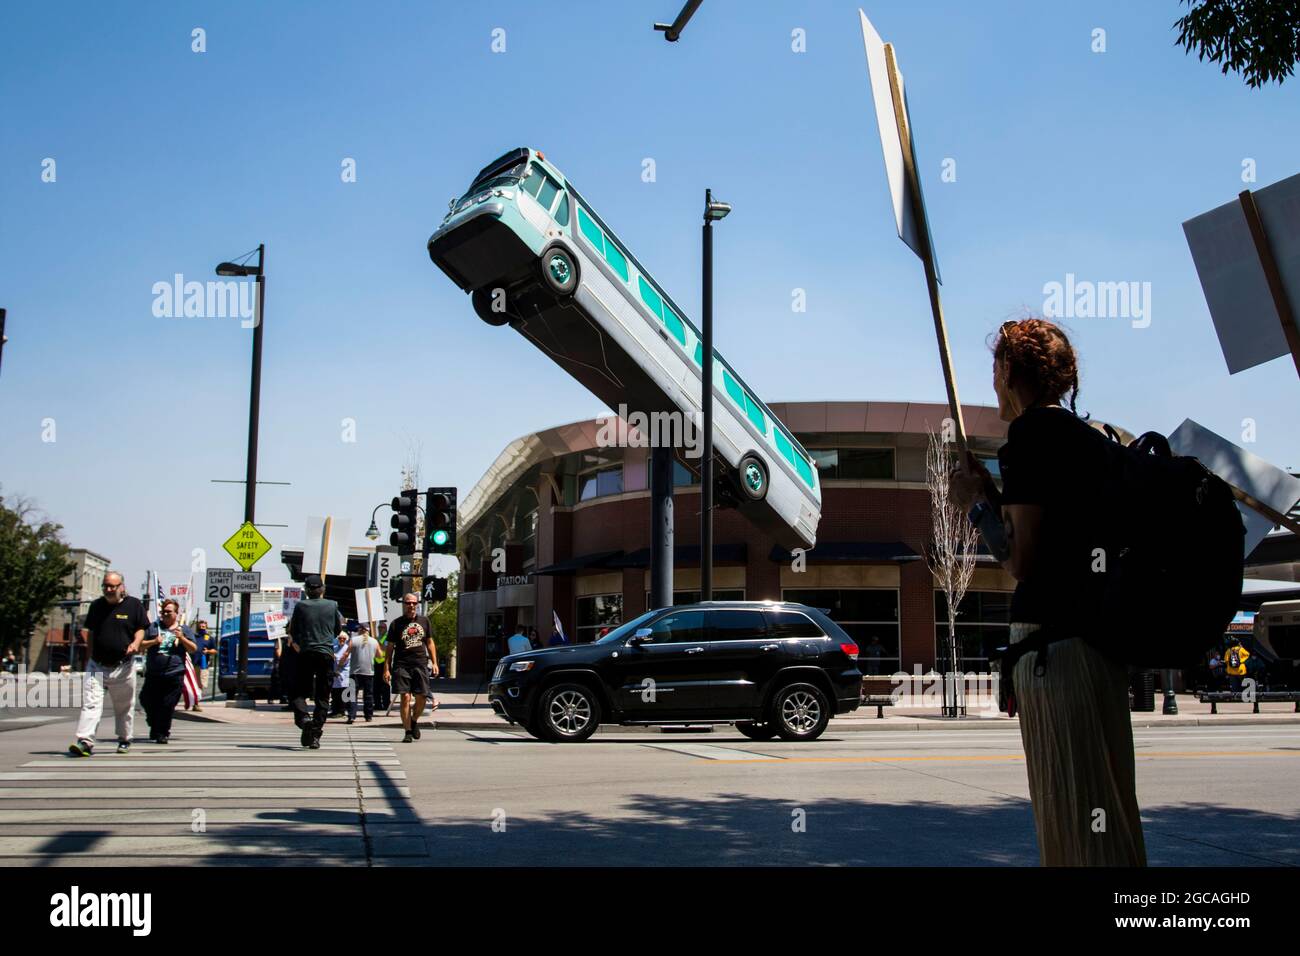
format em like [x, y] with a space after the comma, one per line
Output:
[596, 613]
[527, 530]
[854, 464]
[983, 623]
[868, 615]
[597, 484]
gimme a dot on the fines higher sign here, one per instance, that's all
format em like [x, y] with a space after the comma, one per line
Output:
[247, 546]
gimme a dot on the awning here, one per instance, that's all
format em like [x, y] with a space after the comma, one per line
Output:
[685, 555]
[845, 552]
[598, 559]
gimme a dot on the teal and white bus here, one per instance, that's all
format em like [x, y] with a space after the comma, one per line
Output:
[534, 254]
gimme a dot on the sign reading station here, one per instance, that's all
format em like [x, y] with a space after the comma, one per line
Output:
[247, 545]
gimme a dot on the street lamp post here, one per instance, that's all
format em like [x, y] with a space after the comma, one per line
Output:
[713, 211]
[237, 270]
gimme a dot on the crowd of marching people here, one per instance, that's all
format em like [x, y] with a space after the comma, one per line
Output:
[340, 666]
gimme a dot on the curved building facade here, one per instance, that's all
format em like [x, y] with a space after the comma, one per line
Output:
[560, 525]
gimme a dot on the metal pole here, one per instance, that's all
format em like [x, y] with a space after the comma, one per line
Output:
[250, 477]
[706, 402]
[661, 527]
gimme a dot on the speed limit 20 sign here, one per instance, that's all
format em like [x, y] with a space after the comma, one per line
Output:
[220, 584]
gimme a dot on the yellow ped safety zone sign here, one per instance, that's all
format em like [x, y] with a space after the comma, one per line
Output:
[247, 545]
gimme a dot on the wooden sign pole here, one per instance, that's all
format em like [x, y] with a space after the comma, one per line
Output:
[1272, 274]
[926, 252]
[325, 549]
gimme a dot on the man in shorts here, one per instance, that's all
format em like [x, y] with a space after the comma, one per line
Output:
[410, 652]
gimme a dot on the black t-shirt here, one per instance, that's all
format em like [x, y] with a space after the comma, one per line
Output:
[1056, 460]
[112, 628]
[406, 639]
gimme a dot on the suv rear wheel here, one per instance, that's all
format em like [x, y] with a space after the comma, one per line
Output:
[567, 713]
[800, 712]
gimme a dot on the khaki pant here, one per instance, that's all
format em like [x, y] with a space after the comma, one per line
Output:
[1078, 739]
[119, 682]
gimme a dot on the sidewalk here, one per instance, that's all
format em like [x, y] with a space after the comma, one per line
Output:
[463, 710]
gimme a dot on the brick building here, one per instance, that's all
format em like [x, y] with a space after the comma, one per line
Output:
[559, 523]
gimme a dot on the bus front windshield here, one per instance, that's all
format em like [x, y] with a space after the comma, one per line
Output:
[499, 178]
[626, 630]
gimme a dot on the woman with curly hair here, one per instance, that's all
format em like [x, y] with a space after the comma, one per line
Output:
[1071, 690]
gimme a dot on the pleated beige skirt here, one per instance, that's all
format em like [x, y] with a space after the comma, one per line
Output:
[1078, 739]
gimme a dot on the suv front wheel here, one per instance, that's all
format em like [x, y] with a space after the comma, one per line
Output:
[567, 713]
[800, 712]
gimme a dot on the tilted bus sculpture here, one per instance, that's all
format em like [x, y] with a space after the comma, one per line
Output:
[533, 254]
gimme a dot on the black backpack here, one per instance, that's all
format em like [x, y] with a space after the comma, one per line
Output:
[1174, 558]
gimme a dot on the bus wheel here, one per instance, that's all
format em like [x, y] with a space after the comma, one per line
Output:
[559, 271]
[481, 299]
[752, 477]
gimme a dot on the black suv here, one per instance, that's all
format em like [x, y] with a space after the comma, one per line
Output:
[773, 669]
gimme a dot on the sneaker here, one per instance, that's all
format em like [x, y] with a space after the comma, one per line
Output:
[408, 738]
[81, 749]
[415, 729]
[124, 746]
[197, 708]
[369, 719]
[165, 739]
[352, 720]
[315, 743]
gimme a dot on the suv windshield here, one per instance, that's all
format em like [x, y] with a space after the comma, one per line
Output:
[628, 629]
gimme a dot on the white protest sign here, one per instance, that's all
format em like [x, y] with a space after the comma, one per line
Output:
[370, 605]
[292, 595]
[326, 551]
[1264, 482]
[275, 624]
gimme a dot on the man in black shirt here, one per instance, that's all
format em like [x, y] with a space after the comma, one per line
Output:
[410, 651]
[113, 631]
[313, 635]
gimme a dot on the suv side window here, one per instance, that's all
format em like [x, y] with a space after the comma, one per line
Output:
[737, 625]
[679, 628]
[785, 624]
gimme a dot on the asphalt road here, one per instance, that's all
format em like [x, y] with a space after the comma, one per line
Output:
[226, 794]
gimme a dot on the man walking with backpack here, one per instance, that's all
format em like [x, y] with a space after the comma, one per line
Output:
[312, 633]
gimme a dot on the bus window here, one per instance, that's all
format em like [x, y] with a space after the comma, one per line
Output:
[650, 297]
[547, 193]
[733, 388]
[755, 414]
[562, 213]
[674, 325]
[617, 261]
[534, 181]
[591, 231]
[699, 354]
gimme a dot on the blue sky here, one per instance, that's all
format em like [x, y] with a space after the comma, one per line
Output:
[168, 161]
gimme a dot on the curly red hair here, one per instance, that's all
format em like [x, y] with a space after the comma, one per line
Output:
[1039, 356]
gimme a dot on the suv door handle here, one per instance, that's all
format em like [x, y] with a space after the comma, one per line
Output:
[694, 650]
[769, 647]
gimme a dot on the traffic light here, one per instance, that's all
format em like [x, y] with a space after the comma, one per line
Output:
[440, 521]
[397, 588]
[403, 523]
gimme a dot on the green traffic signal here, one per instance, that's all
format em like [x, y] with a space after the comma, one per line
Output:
[440, 537]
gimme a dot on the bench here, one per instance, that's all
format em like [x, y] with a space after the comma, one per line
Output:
[1217, 697]
[878, 701]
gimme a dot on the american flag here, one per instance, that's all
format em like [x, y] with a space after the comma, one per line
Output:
[190, 685]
